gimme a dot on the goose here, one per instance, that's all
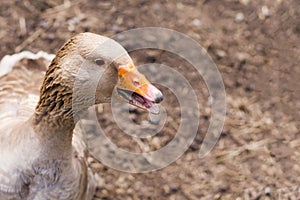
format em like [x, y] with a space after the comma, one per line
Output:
[42, 154]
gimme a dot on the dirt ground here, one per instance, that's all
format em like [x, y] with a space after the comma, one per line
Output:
[255, 44]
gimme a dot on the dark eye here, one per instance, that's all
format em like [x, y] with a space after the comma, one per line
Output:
[99, 62]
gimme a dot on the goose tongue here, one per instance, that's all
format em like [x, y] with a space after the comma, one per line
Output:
[146, 103]
[141, 101]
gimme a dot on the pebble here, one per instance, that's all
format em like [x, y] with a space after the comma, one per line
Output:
[180, 6]
[43, 24]
[265, 11]
[115, 27]
[196, 22]
[239, 17]
[156, 142]
[267, 191]
[144, 123]
[241, 56]
[220, 53]
[245, 2]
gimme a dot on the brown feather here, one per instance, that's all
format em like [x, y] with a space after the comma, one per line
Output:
[42, 148]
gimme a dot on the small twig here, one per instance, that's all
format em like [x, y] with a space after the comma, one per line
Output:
[23, 29]
[143, 147]
[29, 40]
[66, 5]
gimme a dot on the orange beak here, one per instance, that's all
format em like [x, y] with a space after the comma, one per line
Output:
[135, 89]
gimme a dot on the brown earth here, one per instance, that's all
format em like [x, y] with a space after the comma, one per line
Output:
[255, 45]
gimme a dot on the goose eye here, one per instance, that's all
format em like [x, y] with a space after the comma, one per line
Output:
[99, 62]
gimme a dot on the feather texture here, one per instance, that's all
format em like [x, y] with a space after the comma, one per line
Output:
[42, 152]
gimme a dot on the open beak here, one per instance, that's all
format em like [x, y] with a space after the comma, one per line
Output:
[135, 89]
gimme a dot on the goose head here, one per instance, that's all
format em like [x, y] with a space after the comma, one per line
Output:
[87, 70]
[109, 66]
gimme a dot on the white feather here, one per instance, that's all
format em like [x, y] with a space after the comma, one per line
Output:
[9, 61]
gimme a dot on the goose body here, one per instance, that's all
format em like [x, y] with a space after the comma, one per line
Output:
[42, 154]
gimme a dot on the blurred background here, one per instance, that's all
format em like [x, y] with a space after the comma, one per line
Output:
[255, 44]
